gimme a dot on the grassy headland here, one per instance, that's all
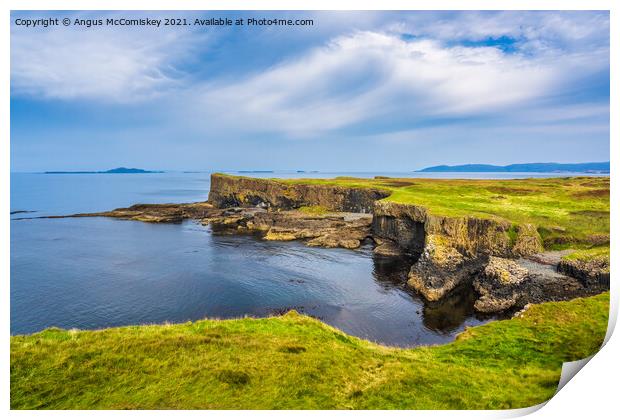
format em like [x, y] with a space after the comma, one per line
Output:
[571, 212]
[294, 361]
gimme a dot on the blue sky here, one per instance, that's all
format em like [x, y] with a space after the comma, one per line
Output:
[358, 91]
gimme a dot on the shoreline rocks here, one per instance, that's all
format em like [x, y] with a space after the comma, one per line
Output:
[330, 230]
[440, 269]
[498, 285]
[449, 250]
[505, 284]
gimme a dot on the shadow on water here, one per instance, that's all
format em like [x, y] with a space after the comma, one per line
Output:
[445, 316]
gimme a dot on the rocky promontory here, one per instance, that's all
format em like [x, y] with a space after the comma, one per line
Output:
[499, 259]
[236, 191]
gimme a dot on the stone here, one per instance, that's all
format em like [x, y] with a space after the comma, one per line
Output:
[440, 269]
[504, 271]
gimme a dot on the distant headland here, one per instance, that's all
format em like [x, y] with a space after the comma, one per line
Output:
[109, 171]
[590, 167]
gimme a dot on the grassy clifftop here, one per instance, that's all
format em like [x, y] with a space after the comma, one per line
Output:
[570, 212]
[567, 211]
[294, 361]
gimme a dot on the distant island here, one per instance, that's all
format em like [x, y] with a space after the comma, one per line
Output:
[109, 171]
[591, 167]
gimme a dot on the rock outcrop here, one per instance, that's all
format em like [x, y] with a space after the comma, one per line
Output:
[155, 213]
[236, 191]
[449, 249]
[498, 285]
[594, 272]
[330, 230]
[505, 284]
[440, 269]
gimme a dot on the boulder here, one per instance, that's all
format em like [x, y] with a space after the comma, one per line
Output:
[440, 269]
[499, 285]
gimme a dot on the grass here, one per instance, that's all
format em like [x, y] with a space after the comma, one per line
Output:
[570, 212]
[598, 253]
[587, 254]
[314, 210]
[293, 361]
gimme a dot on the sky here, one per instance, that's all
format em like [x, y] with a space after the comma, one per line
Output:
[356, 91]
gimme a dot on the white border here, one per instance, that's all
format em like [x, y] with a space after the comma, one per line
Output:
[593, 393]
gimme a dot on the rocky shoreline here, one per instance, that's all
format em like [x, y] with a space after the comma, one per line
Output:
[504, 263]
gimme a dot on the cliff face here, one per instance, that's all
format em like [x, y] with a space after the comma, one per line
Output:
[412, 228]
[449, 250]
[591, 273]
[229, 191]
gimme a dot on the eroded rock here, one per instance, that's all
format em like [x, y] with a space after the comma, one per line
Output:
[236, 191]
[408, 226]
[594, 272]
[330, 231]
[440, 269]
[506, 284]
[498, 285]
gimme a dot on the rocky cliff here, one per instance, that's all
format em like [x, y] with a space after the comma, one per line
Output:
[236, 191]
[449, 250]
[412, 228]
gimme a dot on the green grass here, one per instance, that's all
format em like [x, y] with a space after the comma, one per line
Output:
[294, 361]
[314, 210]
[571, 212]
[596, 253]
[587, 254]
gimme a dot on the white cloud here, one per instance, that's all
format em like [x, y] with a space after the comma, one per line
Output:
[105, 65]
[369, 75]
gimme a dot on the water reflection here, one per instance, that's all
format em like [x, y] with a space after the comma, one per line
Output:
[445, 316]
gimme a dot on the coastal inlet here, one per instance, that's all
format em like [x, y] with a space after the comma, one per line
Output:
[386, 272]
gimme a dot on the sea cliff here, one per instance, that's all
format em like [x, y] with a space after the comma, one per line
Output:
[236, 191]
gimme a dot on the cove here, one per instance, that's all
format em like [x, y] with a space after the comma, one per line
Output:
[91, 273]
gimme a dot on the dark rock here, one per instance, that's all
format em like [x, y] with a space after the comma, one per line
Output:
[330, 231]
[440, 269]
[594, 272]
[505, 284]
[235, 191]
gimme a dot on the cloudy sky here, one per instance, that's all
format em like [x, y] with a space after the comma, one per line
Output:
[357, 91]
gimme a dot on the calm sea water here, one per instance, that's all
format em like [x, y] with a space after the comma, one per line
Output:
[91, 273]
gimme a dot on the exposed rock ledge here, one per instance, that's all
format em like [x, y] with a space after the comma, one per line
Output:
[236, 191]
[449, 252]
[506, 284]
[331, 230]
